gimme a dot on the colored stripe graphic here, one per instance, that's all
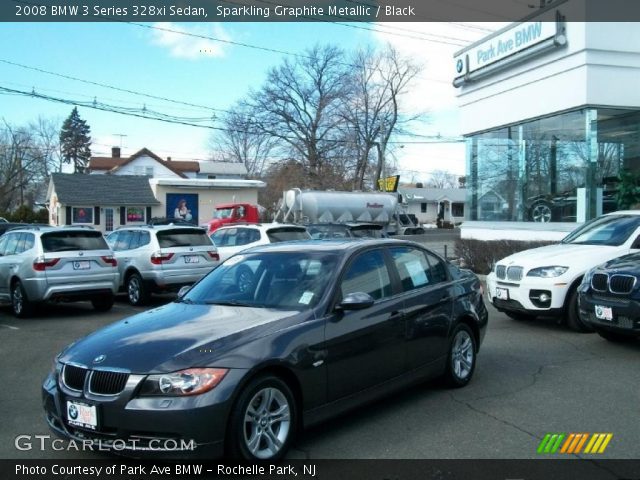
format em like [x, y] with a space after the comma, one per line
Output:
[572, 443]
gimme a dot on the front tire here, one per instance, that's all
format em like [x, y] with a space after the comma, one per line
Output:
[137, 291]
[541, 213]
[263, 421]
[20, 304]
[461, 361]
[574, 322]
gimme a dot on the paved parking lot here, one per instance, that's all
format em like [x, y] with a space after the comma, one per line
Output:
[532, 378]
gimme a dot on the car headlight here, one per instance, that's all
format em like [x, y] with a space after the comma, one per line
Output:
[192, 381]
[547, 272]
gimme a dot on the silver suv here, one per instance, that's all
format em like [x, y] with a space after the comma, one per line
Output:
[39, 264]
[161, 258]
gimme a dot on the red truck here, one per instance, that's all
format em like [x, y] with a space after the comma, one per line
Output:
[232, 213]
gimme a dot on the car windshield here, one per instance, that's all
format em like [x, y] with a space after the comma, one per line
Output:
[369, 231]
[183, 237]
[283, 280]
[611, 230]
[319, 232]
[66, 241]
[222, 213]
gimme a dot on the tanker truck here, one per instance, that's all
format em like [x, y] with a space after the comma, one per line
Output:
[312, 206]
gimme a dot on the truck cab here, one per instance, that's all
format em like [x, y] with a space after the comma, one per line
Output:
[231, 214]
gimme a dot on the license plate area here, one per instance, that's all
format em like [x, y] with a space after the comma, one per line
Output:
[82, 415]
[81, 264]
[502, 293]
[603, 313]
[191, 259]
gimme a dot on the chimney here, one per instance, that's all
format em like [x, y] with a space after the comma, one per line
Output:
[168, 159]
[115, 152]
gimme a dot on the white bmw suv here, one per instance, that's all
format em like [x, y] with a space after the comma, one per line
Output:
[544, 281]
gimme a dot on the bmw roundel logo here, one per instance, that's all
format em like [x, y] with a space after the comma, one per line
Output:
[459, 65]
[73, 412]
[99, 359]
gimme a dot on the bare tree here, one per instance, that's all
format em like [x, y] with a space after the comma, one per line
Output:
[299, 104]
[443, 179]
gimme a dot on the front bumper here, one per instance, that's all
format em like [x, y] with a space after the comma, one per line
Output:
[146, 427]
[522, 294]
[626, 312]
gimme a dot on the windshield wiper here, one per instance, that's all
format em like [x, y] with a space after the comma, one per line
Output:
[228, 303]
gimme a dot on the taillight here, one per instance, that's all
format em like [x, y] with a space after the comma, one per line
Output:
[110, 259]
[157, 258]
[40, 264]
[214, 255]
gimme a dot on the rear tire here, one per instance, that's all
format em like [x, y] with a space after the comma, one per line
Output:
[20, 304]
[461, 361]
[614, 336]
[572, 313]
[137, 291]
[103, 304]
[263, 421]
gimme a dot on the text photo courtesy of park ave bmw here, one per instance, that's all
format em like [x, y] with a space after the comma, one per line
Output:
[320, 239]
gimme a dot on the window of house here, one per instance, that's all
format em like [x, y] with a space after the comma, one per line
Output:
[135, 214]
[148, 171]
[423, 207]
[82, 215]
[457, 209]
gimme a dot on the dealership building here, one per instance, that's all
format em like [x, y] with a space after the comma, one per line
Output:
[550, 110]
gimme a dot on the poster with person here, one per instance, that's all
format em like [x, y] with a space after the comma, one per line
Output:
[183, 206]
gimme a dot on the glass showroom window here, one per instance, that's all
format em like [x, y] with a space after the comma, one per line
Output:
[561, 168]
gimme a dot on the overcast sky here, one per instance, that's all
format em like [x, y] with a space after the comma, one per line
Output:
[166, 64]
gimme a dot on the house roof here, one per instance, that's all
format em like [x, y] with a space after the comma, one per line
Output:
[223, 168]
[113, 164]
[422, 195]
[89, 190]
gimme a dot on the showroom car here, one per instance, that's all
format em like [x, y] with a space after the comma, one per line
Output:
[323, 327]
[544, 281]
[161, 259]
[234, 238]
[609, 298]
[62, 264]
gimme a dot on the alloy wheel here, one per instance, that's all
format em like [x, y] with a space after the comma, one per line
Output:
[267, 423]
[462, 355]
[541, 213]
[17, 299]
[133, 290]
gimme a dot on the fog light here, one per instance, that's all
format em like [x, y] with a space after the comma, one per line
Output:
[540, 298]
[544, 298]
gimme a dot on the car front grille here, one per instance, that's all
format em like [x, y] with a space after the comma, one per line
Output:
[599, 282]
[501, 272]
[621, 284]
[73, 377]
[514, 274]
[101, 382]
[107, 383]
[617, 283]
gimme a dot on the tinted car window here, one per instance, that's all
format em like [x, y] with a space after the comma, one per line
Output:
[412, 266]
[12, 243]
[287, 234]
[69, 240]
[247, 235]
[219, 238]
[610, 230]
[143, 239]
[123, 241]
[437, 268]
[29, 240]
[367, 273]
[3, 244]
[368, 232]
[182, 237]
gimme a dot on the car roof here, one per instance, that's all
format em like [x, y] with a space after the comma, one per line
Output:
[170, 226]
[623, 212]
[261, 226]
[332, 245]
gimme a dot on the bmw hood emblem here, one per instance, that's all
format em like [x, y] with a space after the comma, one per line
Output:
[100, 359]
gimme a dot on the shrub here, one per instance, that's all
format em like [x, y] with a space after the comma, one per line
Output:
[480, 255]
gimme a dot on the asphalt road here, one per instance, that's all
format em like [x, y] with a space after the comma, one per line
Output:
[532, 378]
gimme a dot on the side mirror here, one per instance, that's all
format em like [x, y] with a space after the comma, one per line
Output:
[356, 301]
[183, 291]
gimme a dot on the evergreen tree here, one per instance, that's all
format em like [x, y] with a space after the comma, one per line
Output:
[75, 142]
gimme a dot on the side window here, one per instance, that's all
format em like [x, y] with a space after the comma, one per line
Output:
[437, 268]
[231, 238]
[413, 268]
[3, 244]
[112, 240]
[367, 273]
[123, 241]
[243, 236]
[254, 235]
[12, 243]
[218, 238]
[135, 240]
[143, 239]
[29, 240]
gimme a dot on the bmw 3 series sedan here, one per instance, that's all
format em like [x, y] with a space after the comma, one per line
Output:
[276, 338]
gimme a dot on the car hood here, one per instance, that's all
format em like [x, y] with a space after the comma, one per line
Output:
[564, 254]
[176, 336]
[627, 264]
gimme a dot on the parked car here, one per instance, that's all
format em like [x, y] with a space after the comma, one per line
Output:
[325, 326]
[562, 206]
[544, 281]
[233, 239]
[163, 258]
[6, 226]
[3, 220]
[320, 231]
[39, 264]
[610, 298]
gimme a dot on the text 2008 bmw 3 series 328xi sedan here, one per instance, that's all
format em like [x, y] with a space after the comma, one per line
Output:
[274, 339]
